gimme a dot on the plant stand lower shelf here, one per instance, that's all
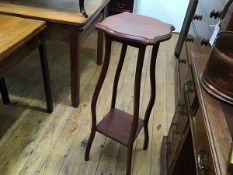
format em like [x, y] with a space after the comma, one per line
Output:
[117, 125]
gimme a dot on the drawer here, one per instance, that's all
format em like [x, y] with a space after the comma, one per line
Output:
[204, 160]
[121, 5]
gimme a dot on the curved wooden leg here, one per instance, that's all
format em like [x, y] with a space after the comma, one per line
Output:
[98, 87]
[153, 93]
[88, 148]
[100, 50]
[4, 92]
[129, 159]
[118, 73]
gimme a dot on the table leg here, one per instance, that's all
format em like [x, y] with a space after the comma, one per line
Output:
[46, 77]
[4, 92]
[75, 67]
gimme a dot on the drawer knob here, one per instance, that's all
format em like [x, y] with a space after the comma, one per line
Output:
[215, 14]
[121, 5]
[197, 17]
[204, 42]
[203, 160]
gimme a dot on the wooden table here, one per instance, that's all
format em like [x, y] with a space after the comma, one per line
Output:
[65, 24]
[18, 37]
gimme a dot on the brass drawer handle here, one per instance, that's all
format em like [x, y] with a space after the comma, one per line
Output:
[121, 5]
[203, 159]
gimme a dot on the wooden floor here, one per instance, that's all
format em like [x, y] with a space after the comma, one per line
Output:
[36, 143]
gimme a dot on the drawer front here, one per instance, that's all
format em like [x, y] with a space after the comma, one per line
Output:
[173, 139]
[204, 161]
[124, 5]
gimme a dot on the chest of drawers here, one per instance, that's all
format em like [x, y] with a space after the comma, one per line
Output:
[200, 138]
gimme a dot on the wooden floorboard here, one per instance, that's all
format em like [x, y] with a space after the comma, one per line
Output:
[33, 142]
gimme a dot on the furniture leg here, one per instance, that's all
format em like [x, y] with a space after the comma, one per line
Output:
[90, 141]
[100, 47]
[117, 75]
[4, 92]
[75, 67]
[153, 94]
[98, 87]
[137, 85]
[129, 159]
[46, 77]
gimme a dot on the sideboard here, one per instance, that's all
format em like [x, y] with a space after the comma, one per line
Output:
[199, 140]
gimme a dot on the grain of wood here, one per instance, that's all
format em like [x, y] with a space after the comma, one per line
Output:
[12, 37]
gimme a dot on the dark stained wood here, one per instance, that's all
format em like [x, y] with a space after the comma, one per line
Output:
[118, 73]
[136, 107]
[99, 84]
[153, 93]
[119, 125]
[64, 22]
[4, 92]
[45, 74]
[74, 66]
[149, 31]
